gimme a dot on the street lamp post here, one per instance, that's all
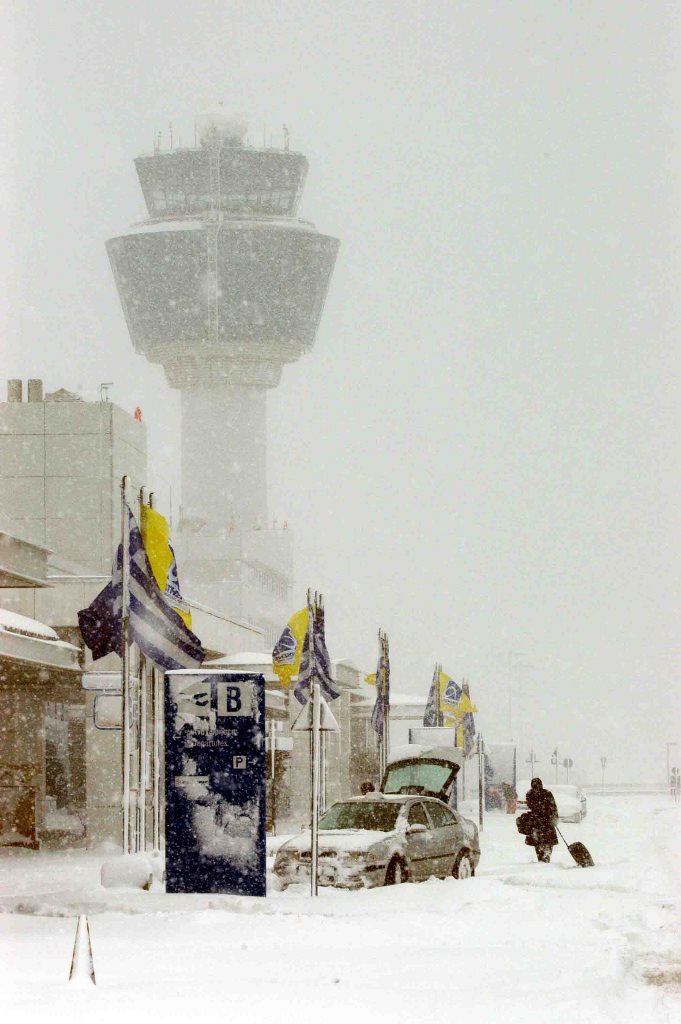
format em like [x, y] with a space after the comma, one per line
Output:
[532, 760]
[554, 760]
[669, 777]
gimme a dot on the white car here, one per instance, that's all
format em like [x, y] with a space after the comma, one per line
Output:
[407, 832]
[570, 800]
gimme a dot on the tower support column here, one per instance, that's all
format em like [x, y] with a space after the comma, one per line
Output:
[224, 456]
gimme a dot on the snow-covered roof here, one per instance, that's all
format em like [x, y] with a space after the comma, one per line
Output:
[26, 640]
[16, 623]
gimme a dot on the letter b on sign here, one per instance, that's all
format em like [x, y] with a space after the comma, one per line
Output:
[233, 699]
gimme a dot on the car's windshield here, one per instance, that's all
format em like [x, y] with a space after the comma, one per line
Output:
[374, 816]
[417, 778]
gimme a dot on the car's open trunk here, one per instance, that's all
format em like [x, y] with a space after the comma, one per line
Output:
[428, 771]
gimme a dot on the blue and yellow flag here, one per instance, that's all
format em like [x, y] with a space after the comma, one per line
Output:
[288, 649]
[468, 723]
[156, 536]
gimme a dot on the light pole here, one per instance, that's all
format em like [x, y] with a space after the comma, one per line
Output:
[604, 761]
[554, 760]
[669, 778]
[532, 760]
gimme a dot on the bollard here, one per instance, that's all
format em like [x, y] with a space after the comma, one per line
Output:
[82, 963]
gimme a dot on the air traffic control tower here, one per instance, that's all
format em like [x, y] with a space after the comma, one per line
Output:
[223, 285]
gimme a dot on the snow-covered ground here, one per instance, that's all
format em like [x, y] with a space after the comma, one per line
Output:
[520, 942]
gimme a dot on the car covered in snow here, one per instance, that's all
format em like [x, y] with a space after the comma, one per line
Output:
[570, 800]
[406, 832]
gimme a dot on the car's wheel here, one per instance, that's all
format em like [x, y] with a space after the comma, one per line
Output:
[396, 873]
[463, 866]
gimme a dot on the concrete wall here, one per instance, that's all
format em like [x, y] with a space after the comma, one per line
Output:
[60, 469]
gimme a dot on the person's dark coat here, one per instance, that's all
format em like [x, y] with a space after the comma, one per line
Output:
[541, 827]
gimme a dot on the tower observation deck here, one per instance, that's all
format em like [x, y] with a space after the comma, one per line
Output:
[222, 285]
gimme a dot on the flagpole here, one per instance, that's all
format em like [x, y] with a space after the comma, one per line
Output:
[125, 667]
[142, 737]
[380, 697]
[314, 831]
[481, 778]
[156, 757]
[142, 789]
[386, 704]
[156, 718]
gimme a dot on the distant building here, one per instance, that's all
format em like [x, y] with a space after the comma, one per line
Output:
[223, 285]
[61, 464]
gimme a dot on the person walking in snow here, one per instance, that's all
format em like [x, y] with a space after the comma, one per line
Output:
[541, 832]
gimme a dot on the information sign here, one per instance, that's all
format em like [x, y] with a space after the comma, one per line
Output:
[215, 782]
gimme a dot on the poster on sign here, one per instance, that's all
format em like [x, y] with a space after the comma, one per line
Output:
[215, 782]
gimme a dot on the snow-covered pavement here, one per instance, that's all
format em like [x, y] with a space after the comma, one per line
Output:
[521, 941]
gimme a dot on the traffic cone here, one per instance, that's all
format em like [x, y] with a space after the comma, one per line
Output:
[82, 964]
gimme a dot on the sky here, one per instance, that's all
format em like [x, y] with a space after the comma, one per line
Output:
[481, 454]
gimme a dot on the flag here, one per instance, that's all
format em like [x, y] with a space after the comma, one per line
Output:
[431, 712]
[154, 626]
[468, 734]
[450, 696]
[322, 659]
[288, 649]
[468, 723]
[317, 666]
[382, 704]
[100, 624]
[305, 670]
[156, 537]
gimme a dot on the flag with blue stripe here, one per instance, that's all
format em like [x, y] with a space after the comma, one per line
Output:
[382, 704]
[319, 665]
[431, 712]
[153, 625]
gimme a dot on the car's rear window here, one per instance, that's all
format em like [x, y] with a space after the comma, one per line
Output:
[425, 777]
[374, 816]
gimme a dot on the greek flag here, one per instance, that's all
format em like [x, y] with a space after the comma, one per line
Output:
[431, 713]
[382, 704]
[154, 626]
[319, 665]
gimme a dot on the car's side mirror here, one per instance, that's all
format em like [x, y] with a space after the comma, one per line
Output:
[413, 830]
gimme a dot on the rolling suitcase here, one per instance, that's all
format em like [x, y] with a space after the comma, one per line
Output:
[578, 852]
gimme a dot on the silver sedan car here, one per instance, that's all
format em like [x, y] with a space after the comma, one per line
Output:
[383, 840]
